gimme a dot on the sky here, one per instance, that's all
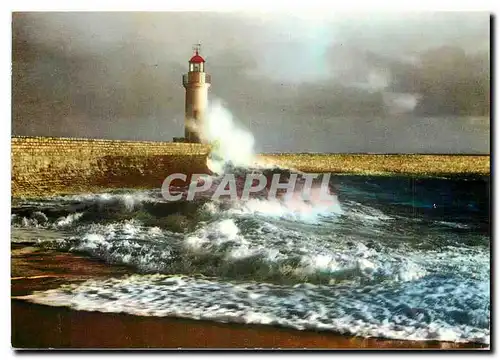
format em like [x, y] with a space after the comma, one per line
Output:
[319, 82]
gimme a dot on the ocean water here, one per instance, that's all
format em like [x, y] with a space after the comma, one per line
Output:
[393, 257]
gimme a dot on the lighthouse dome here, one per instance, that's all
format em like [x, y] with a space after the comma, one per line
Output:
[196, 59]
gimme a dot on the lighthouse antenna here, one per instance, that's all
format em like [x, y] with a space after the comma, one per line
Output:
[197, 48]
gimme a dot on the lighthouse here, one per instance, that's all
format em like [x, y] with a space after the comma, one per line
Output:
[196, 82]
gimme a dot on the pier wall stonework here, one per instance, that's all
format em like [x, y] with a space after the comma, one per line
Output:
[44, 166]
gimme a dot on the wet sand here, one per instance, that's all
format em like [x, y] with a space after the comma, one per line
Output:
[40, 326]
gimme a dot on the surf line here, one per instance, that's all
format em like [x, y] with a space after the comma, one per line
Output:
[32, 277]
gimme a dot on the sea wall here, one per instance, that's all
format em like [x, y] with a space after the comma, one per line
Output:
[49, 166]
[44, 166]
[387, 164]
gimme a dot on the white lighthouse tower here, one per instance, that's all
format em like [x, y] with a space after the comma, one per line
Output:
[196, 82]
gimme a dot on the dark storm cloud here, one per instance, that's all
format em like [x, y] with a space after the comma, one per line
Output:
[117, 75]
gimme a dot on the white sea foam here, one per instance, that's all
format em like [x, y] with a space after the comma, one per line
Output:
[214, 235]
[278, 237]
[414, 311]
[455, 225]
[127, 242]
[68, 220]
[38, 220]
[130, 200]
[285, 248]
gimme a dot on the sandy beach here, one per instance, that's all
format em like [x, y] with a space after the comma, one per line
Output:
[38, 326]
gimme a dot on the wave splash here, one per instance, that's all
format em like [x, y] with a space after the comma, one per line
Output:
[233, 153]
[231, 144]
